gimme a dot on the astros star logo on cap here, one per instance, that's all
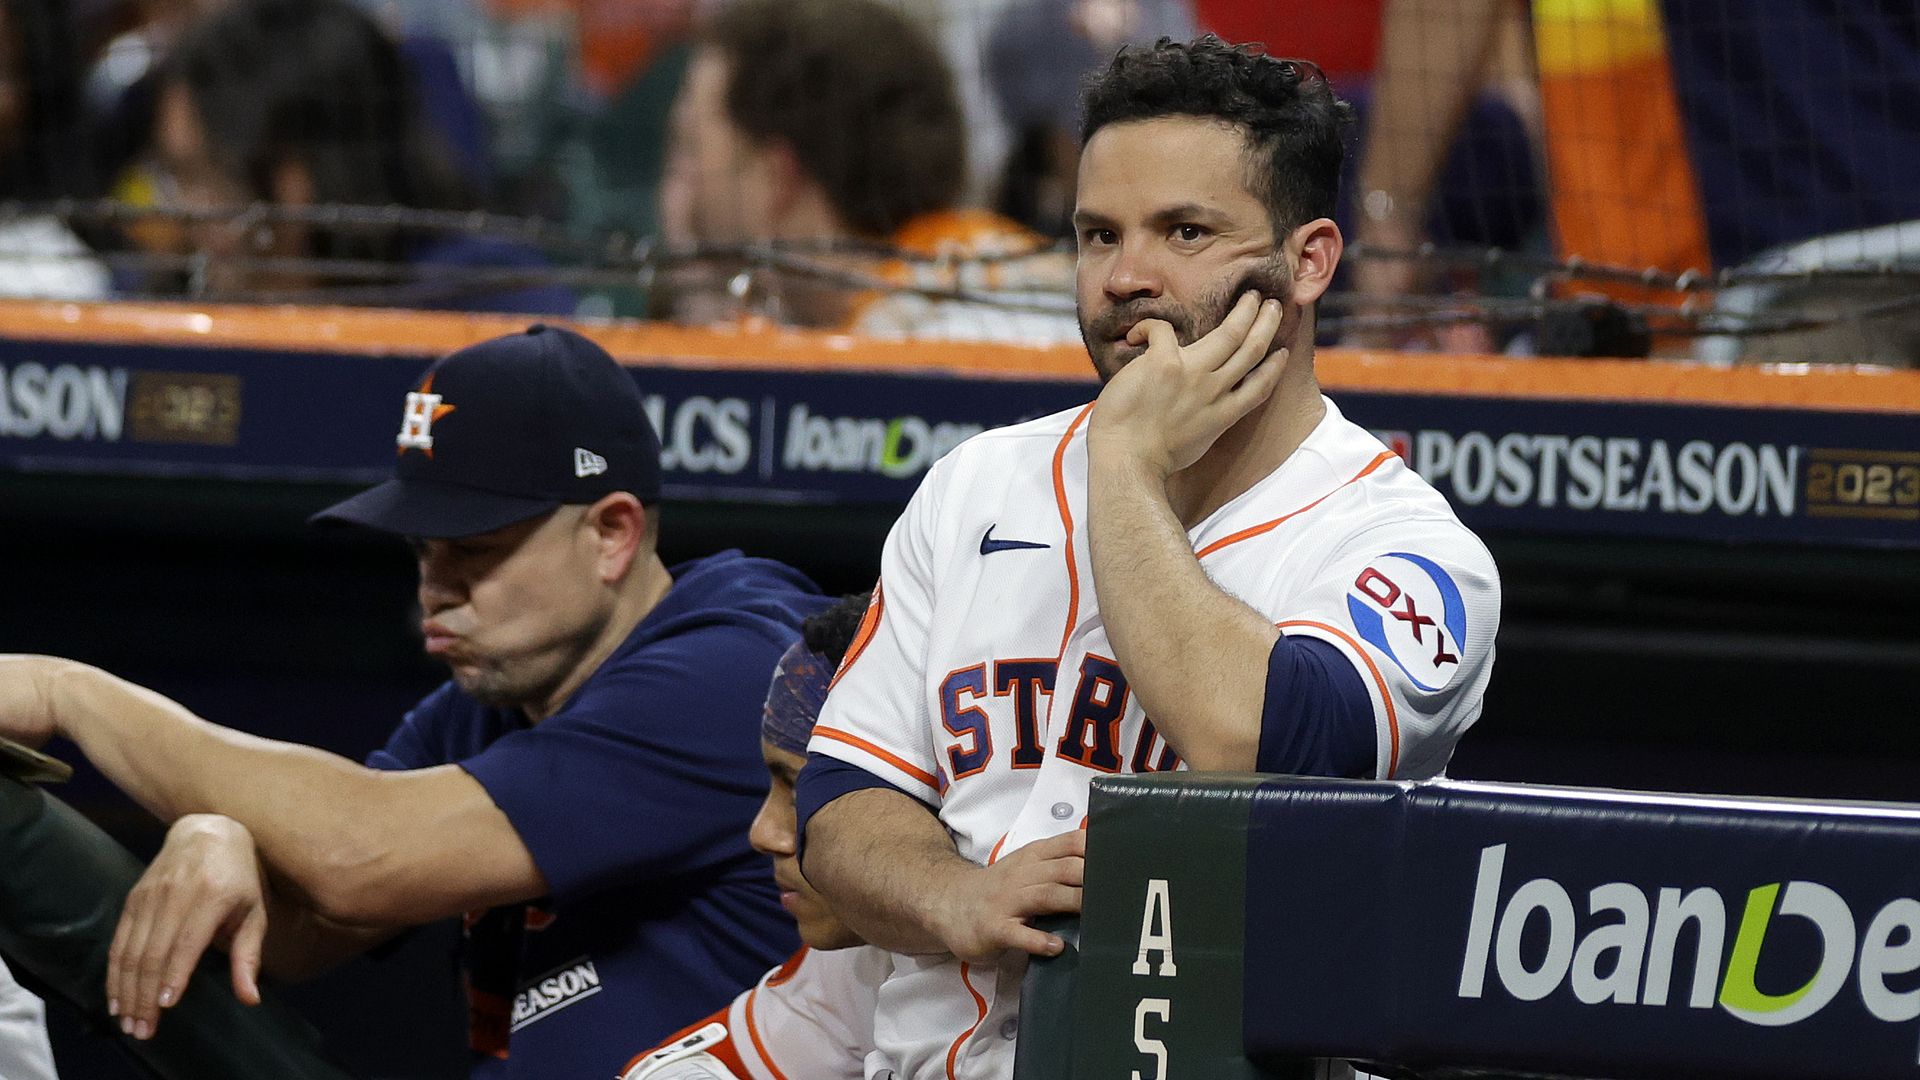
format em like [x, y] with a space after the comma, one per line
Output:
[546, 419]
[416, 423]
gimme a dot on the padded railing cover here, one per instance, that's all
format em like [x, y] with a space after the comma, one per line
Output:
[1583, 932]
[62, 885]
[1249, 926]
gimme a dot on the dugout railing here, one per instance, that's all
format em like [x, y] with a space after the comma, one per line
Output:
[1243, 926]
[61, 893]
[154, 517]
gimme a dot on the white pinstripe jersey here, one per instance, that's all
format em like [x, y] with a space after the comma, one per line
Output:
[983, 683]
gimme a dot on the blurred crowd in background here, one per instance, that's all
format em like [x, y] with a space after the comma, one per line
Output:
[577, 157]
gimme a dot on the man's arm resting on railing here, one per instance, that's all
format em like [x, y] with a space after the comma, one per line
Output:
[885, 863]
[366, 847]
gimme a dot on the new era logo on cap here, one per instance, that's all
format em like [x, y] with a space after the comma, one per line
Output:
[588, 463]
[482, 433]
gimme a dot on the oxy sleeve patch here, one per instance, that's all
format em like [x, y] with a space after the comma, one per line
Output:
[1409, 608]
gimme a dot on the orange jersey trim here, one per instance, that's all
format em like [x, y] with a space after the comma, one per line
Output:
[883, 754]
[724, 1049]
[1269, 526]
[789, 969]
[863, 636]
[753, 1033]
[994, 855]
[1386, 697]
[1066, 521]
[980, 1003]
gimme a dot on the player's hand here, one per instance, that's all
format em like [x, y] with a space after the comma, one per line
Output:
[204, 888]
[26, 705]
[1167, 406]
[986, 913]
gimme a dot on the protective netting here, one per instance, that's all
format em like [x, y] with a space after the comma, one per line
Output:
[1613, 177]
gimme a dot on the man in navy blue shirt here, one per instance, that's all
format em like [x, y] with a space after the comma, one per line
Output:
[580, 790]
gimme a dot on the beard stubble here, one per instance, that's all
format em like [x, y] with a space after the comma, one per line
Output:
[1110, 352]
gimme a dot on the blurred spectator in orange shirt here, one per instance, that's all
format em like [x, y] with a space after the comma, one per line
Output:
[809, 123]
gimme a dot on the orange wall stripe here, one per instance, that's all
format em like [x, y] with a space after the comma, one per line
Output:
[762, 346]
[1269, 526]
[384, 332]
[1393, 720]
[884, 755]
[1066, 522]
[1851, 387]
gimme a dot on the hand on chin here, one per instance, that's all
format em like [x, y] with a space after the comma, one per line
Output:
[1164, 409]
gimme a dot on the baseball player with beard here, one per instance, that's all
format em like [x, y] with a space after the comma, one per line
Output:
[812, 1016]
[1208, 568]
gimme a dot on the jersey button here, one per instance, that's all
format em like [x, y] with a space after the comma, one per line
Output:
[1009, 1028]
[1062, 811]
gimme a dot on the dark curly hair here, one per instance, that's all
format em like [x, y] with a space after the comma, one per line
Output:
[859, 92]
[830, 632]
[1294, 125]
[318, 82]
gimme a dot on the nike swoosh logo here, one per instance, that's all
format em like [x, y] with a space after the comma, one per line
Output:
[988, 545]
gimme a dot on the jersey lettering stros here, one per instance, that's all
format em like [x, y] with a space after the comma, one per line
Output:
[984, 682]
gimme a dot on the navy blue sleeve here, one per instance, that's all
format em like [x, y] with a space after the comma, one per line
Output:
[1318, 719]
[652, 771]
[824, 780]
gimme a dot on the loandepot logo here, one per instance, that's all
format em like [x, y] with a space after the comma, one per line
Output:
[898, 448]
[1626, 955]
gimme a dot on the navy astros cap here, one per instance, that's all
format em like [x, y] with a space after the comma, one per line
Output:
[507, 430]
